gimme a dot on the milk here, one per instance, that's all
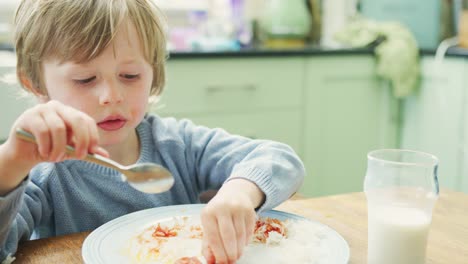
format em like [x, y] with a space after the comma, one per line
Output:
[397, 235]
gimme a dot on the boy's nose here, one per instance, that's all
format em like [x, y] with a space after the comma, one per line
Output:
[111, 93]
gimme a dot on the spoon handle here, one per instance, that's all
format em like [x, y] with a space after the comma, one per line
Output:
[95, 158]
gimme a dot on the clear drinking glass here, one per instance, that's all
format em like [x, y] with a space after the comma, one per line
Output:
[401, 188]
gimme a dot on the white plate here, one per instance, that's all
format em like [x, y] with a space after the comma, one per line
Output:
[104, 245]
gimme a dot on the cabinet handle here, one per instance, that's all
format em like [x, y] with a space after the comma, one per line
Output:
[223, 88]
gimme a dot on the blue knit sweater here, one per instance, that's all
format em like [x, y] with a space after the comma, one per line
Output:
[74, 196]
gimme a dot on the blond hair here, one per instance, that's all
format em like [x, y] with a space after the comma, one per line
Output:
[79, 30]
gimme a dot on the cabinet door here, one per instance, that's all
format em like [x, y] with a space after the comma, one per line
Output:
[464, 136]
[282, 126]
[230, 85]
[433, 117]
[348, 113]
[253, 97]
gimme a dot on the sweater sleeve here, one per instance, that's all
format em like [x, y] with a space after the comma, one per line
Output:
[20, 211]
[218, 156]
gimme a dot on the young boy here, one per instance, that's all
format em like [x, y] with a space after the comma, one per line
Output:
[93, 64]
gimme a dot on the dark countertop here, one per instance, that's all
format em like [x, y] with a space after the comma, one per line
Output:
[263, 52]
[307, 51]
[6, 47]
[455, 52]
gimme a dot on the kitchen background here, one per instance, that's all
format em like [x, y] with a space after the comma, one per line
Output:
[332, 78]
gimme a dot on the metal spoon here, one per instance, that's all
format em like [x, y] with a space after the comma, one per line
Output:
[145, 177]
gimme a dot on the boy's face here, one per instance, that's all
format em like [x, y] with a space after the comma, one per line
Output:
[113, 88]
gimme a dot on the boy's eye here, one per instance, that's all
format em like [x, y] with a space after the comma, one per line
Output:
[86, 81]
[130, 76]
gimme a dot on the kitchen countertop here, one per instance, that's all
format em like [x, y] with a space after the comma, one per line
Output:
[263, 52]
[453, 52]
[307, 51]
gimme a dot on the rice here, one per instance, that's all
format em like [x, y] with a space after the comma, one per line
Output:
[300, 243]
[161, 247]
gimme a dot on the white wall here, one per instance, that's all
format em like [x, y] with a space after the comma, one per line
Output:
[7, 9]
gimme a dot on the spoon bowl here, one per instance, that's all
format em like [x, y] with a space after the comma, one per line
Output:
[145, 177]
[148, 177]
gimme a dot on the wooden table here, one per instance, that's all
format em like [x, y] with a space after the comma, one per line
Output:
[347, 214]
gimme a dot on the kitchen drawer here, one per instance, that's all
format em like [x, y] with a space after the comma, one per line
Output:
[226, 85]
[282, 126]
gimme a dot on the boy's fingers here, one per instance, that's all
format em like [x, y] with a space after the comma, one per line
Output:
[207, 253]
[93, 136]
[75, 120]
[212, 237]
[228, 237]
[81, 136]
[58, 133]
[239, 225]
[40, 131]
[250, 221]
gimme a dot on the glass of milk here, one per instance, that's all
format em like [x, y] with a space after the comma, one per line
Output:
[401, 188]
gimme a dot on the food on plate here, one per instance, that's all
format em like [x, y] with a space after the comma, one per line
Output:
[269, 230]
[188, 260]
[179, 240]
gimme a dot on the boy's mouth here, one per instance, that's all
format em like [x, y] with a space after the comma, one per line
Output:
[112, 123]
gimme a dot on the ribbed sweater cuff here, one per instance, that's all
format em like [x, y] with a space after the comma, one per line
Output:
[263, 180]
[9, 205]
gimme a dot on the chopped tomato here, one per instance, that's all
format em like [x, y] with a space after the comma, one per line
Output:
[164, 232]
[188, 260]
[263, 229]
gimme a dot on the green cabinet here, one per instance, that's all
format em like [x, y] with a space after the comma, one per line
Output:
[434, 118]
[282, 126]
[214, 86]
[331, 110]
[256, 98]
[348, 112]
[464, 137]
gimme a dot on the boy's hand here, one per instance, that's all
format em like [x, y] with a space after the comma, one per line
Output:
[229, 220]
[54, 125]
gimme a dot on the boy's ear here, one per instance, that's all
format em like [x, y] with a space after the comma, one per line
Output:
[26, 82]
